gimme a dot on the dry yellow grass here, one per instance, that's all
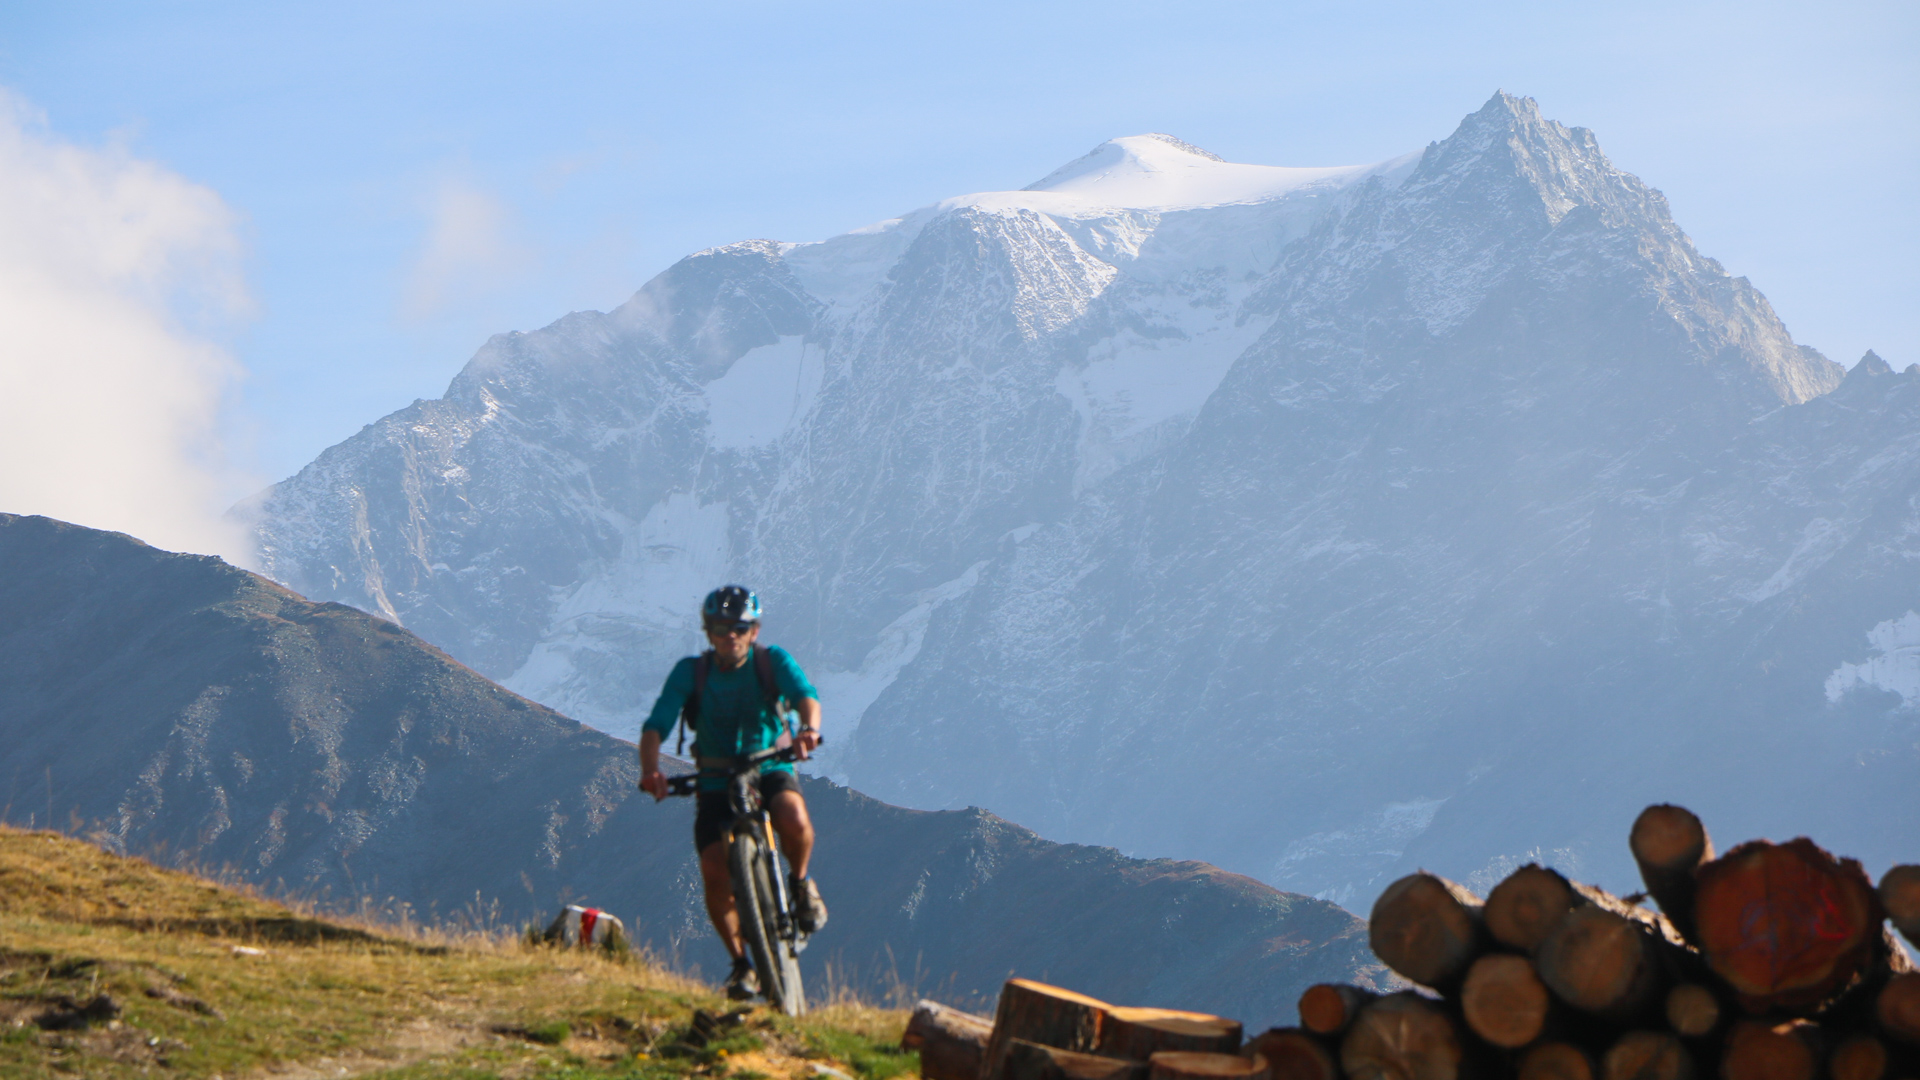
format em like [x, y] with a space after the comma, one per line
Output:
[206, 981]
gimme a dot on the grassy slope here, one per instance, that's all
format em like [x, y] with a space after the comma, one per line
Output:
[323, 998]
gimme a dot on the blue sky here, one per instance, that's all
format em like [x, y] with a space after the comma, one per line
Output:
[406, 179]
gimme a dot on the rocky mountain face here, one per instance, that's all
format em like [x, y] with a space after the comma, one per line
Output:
[1316, 522]
[174, 706]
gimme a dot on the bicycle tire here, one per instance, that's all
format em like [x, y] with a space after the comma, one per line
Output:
[742, 863]
[786, 959]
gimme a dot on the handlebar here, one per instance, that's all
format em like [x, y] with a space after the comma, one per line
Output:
[688, 784]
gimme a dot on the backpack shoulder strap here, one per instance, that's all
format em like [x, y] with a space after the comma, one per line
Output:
[769, 686]
[690, 709]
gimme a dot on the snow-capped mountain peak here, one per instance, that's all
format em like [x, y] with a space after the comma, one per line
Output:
[1397, 499]
[1160, 172]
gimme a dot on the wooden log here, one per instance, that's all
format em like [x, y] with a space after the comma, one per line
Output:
[1605, 964]
[1859, 1057]
[1428, 929]
[1294, 1054]
[1530, 902]
[1329, 1008]
[1023, 1060]
[1196, 1065]
[1044, 1015]
[1694, 1010]
[1556, 1061]
[1647, 1055]
[1785, 925]
[951, 1043]
[1897, 1008]
[1141, 1033]
[1402, 1037]
[1504, 1001]
[1669, 844]
[1900, 895]
[1758, 1051]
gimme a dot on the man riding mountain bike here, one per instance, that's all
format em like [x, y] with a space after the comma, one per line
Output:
[735, 697]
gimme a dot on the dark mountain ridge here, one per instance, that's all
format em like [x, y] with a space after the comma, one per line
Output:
[173, 705]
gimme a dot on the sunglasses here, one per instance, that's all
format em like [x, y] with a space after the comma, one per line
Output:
[736, 630]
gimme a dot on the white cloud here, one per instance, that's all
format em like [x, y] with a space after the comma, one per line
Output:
[468, 252]
[109, 398]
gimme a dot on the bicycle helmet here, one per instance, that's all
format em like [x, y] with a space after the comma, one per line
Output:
[732, 604]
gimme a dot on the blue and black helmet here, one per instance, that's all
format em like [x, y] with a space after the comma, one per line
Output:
[731, 604]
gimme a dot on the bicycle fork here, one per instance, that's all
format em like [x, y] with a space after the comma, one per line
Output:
[783, 903]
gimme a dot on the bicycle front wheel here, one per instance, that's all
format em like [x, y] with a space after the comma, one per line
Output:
[780, 938]
[753, 903]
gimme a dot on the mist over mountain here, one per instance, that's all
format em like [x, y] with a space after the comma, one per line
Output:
[1315, 522]
[173, 706]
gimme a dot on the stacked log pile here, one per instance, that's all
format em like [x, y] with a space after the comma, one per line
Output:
[1770, 962]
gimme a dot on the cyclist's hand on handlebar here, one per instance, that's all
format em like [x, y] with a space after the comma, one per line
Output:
[654, 784]
[805, 743]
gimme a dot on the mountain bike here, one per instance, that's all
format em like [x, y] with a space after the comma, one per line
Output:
[772, 934]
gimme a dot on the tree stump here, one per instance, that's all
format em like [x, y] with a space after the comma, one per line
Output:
[1504, 1001]
[1604, 964]
[1197, 1065]
[1402, 1037]
[1139, 1034]
[1756, 1051]
[1647, 1055]
[1293, 1054]
[1329, 1008]
[1556, 1061]
[1043, 1015]
[1786, 925]
[1023, 1060]
[1669, 844]
[951, 1043]
[1428, 929]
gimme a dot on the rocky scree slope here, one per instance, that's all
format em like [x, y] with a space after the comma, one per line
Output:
[1397, 503]
[175, 706]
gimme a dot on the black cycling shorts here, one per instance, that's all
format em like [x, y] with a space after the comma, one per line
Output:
[715, 811]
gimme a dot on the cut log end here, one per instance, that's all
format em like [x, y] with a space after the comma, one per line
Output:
[1196, 1065]
[1647, 1055]
[1693, 1010]
[1670, 838]
[1897, 1010]
[1426, 928]
[1862, 1057]
[1601, 963]
[1504, 1001]
[1525, 907]
[1900, 895]
[1329, 1008]
[1402, 1037]
[1293, 1054]
[1756, 1051]
[1556, 1061]
[1785, 925]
